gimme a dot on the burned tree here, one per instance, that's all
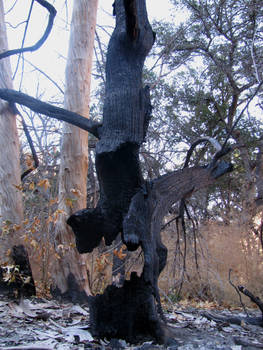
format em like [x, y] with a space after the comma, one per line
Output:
[128, 203]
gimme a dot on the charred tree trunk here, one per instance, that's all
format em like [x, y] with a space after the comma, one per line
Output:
[128, 204]
[125, 119]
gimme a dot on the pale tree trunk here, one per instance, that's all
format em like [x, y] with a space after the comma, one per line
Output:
[11, 208]
[70, 272]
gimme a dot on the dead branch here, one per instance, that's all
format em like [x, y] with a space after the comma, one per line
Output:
[45, 75]
[52, 13]
[206, 139]
[237, 290]
[252, 297]
[30, 142]
[47, 109]
[32, 148]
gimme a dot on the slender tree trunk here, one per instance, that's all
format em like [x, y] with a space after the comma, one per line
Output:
[70, 272]
[11, 208]
[12, 250]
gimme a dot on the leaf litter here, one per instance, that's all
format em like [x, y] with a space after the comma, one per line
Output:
[39, 324]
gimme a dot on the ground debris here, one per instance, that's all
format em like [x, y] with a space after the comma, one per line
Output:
[39, 324]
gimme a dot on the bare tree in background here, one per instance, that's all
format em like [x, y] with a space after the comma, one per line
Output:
[11, 207]
[11, 198]
[70, 272]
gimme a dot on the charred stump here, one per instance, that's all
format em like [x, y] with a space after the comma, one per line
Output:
[128, 312]
[17, 280]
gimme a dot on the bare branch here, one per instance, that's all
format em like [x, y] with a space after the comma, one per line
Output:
[252, 297]
[47, 109]
[253, 56]
[213, 141]
[52, 14]
[241, 113]
[238, 292]
[33, 150]
[46, 75]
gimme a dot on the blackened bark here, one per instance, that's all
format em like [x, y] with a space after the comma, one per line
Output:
[21, 283]
[125, 120]
[132, 307]
[47, 109]
[253, 298]
[74, 293]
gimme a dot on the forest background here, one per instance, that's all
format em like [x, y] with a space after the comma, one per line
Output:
[205, 73]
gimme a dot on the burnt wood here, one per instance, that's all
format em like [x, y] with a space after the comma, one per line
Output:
[132, 307]
[126, 117]
[21, 284]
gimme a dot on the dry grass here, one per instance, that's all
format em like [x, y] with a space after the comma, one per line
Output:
[219, 249]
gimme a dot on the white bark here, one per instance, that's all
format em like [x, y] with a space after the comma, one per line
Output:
[11, 208]
[74, 149]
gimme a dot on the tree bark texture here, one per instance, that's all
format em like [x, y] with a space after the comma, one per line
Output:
[129, 204]
[11, 208]
[70, 272]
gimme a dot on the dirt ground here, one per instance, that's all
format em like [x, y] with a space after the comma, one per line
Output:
[39, 324]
